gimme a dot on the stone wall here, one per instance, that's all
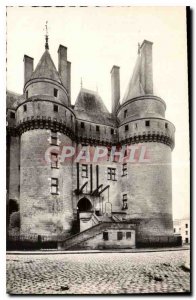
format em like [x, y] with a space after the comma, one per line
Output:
[42, 212]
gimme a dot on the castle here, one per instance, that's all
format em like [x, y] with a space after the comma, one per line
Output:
[88, 205]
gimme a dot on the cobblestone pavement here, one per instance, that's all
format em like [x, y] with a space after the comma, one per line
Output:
[99, 273]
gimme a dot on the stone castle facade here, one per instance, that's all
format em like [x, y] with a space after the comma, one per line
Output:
[89, 205]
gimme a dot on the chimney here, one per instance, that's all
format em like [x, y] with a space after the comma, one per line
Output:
[64, 68]
[28, 67]
[115, 84]
[69, 78]
[146, 67]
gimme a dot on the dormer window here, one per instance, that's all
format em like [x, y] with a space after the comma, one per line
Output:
[55, 93]
[56, 108]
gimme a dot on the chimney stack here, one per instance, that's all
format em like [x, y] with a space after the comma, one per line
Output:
[146, 67]
[28, 67]
[115, 84]
[64, 68]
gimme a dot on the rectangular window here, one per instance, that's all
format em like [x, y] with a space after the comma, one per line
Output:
[186, 240]
[166, 125]
[135, 125]
[12, 115]
[125, 113]
[125, 205]
[128, 235]
[55, 93]
[82, 125]
[105, 236]
[54, 160]
[27, 95]
[147, 123]
[119, 235]
[97, 128]
[112, 131]
[56, 108]
[124, 170]
[112, 174]
[85, 171]
[54, 185]
[186, 225]
[126, 127]
[24, 107]
[174, 230]
[54, 139]
[186, 232]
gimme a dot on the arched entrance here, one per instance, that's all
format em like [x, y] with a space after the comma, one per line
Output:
[84, 205]
[84, 214]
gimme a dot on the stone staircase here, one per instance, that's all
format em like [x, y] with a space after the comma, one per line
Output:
[74, 241]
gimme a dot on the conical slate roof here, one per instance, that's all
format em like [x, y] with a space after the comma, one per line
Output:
[46, 68]
[90, 107]
[134, 88]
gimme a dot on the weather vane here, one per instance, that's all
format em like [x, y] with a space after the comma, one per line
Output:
[46, 36]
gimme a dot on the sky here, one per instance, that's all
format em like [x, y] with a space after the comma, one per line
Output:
[98, 38]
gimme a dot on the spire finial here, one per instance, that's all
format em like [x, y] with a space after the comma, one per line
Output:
[46, 36]
[81, 82]
[138, 50]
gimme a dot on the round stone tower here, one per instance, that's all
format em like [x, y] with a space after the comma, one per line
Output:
[142, 124]
[45, 119]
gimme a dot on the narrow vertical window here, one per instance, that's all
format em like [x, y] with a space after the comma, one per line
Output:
[54, 160]
[125, 113]
[27, 95]
[97, 128]
[82, 125]
[124, 169]
[85, 171]
[55, 93]
[55, 108]
[119, 235]
[126, 127]
[112, 131]
[105, 236]
[54, 138]
[24, 107]
[125, 205]
[54, 185]
[166, 125]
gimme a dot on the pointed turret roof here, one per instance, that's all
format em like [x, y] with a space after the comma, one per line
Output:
[46, 68]
[141, 82]
[90, 107]
[134, 88]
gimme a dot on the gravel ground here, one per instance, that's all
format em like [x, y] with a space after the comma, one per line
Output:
[99, 273]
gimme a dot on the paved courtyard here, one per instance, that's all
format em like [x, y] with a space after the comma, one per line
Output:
[99, 273]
